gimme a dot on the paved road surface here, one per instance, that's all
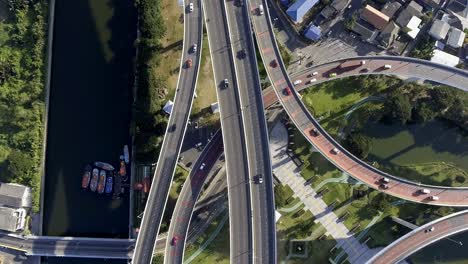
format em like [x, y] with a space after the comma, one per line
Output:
[324, 143]
[173, 139]
[256, 134]
[237, 170]
[420, 237]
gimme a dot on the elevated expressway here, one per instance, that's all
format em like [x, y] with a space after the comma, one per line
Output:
[256, 133]
[408, 244]
[323, 142]
[237, 170]
[172, 143]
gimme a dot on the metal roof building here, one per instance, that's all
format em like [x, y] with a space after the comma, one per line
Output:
[445, 58]
[12, 220]
[313, 33]
[455, 38]
[439, 29]
[15, 195]
[412, 9]
[297, 10]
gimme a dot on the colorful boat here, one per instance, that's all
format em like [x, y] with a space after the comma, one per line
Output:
[109, 183]
[86, 177]
[126, 154]
[123, 170]
[94, 180]
[101, 182]
[104, 166]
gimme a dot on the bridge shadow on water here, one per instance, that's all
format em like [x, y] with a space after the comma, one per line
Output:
[90, 111]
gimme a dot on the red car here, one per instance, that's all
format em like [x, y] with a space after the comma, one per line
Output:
[274, 64]
[287, 91]
[174, 240]
[188, 63]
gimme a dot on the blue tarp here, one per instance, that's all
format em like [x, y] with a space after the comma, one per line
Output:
[297, 10]
[285, 2]
[313, 33]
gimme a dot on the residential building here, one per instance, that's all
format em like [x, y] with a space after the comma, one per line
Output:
[390, 8]
[334, 8]
[432, 3]
[445, 58]
[456, 38]
[365, 33]
[12, 219]
[313, 33]
[466, 52]
[328, 12]
[298, 10]
[439, 29]
[376, 18]
[412, 29]
[215, 108]
[388, 34]
[15, 195]
[411, 10]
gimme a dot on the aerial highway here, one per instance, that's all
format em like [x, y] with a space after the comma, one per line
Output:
[421, 237]
[237, 170]
[175, 131]
[179, 225]
[323, 142]
[256, 133]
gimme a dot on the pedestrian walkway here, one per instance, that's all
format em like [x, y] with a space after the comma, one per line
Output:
[288, 173]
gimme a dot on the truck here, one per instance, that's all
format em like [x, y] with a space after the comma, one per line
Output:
[352, 64]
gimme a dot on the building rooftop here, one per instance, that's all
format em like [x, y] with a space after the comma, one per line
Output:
[456, 38]
[412, 29]
[327, 12]
[390, 8]
[168, 107]
[439, 29]
[445, 58]
[15, 195]
[376, 18]
[11, 219]
[297, 10]
[432, 3]
[458, 7]
[365, 33]
[313, 33]
[412, 9]
[339, 5]
[388, 34]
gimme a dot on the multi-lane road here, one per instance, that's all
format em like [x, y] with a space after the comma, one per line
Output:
[421, 237]
[167, 161]
[324, 143]
[237, 171]
[256, 133]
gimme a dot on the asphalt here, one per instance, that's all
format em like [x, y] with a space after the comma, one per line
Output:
[179, 225]
[173, 139]
[256, 135]
[420, 237]
[233, 133]
[324, 143]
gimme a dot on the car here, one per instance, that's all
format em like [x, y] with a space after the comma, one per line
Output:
[364, 70]
[190, 7]
[314, 132]
[385, 180]
[259, 178]
[188, 63]
[194, 48]
[172, 128]
[387, 66]
[202, 166]
[273, 64]
[241, 54]
[430, 229]
[336, 151]
[309, 64]
[174, 240]
[226, 83]
[333, 74]
[297, 82]
[287, 91]
[260, 10]
[384, 186]
[425, 191]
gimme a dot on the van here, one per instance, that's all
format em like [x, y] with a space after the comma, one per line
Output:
[387, 66]
[434, 198]
[260, 9]
[425, 191]
[297, 82]
[385, 179]
[336, 151]
[314, 73]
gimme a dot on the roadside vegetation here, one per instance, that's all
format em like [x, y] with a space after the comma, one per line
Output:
[424, 49]
[22, 78]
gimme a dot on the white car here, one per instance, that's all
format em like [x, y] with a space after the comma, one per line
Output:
[190, 6]
[194, 48]
[202, 166]
[336, 151]
[297, 82]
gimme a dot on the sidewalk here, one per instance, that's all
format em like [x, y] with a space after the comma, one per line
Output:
[288, 173]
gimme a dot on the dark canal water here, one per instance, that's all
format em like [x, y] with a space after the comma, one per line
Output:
[90, 112]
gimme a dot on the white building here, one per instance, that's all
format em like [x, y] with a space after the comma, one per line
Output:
[445, 58]
[456, 38]
[412, 28]
[15, 195]
[215, 108]
[11, 219]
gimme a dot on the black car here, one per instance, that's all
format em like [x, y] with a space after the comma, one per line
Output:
[241, 54]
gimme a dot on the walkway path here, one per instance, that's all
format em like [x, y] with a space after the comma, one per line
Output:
[288, 173]
[290, 209]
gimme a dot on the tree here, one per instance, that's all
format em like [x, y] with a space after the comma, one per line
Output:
[398, 108]
[358, 144]
[381, 202]
[423, 112]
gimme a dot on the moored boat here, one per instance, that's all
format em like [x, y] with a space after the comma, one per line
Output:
[94, 180]
[109, 183]
[102, 181]
[86, 177]
[123, 169]
[104, 165]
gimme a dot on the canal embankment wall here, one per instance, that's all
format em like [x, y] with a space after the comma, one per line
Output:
[50, 40]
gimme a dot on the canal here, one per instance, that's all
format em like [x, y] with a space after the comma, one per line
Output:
[90, 111]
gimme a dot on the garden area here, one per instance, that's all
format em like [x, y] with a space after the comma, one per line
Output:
[23, 33]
